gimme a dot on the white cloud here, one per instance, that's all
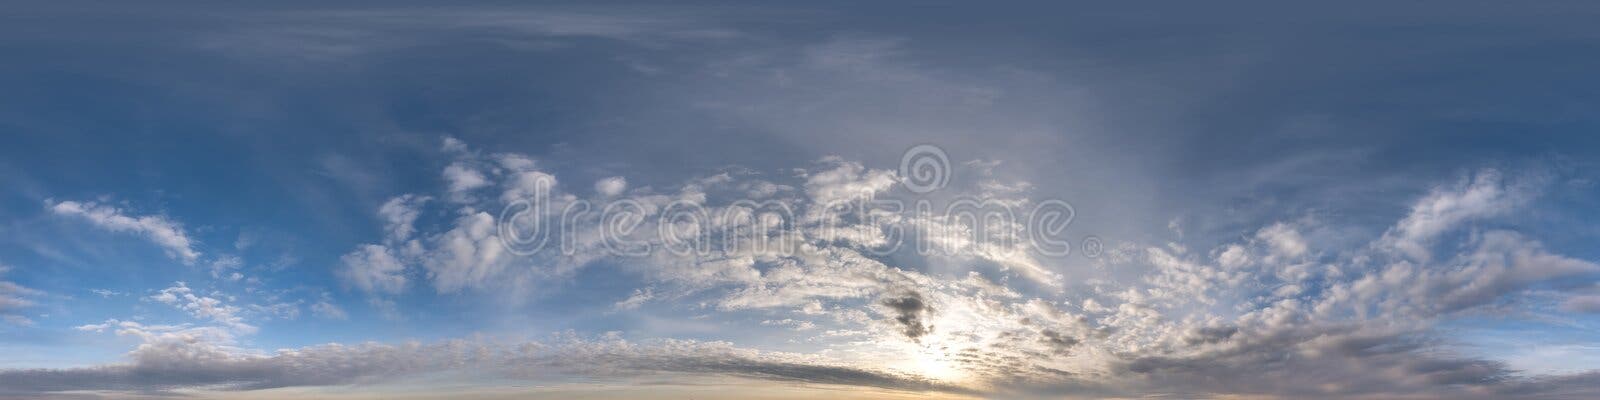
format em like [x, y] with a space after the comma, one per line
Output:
[223, 265]
[639, 297]
[462, 179]
[1501, 263]
[328, 310]
[1284, 240]
[216, 339]
[203, 307]
[527, 185]
[159, 229]
[611, 187]
[1481, 195]
[845, 180]
[399, 216]
[281, 310]
[373, 269]
[795, 324]
[452, 145]
[468, 256]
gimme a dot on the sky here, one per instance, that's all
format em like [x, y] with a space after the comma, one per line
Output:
[1022, 200]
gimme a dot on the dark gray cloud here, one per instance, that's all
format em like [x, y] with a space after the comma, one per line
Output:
[909, 309]
[167, 365]
[1056, 340]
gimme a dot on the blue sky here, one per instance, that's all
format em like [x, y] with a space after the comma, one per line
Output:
[1365, 200]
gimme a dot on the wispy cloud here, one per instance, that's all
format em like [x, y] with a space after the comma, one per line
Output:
[159, 229]
[14, 297]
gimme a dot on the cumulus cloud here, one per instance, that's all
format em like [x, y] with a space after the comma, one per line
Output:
[469, 255]
[399, 216]
[1284, 241]
[159, 229]
[381, 269]
[611, 187]
[463, 179]
[373, 269]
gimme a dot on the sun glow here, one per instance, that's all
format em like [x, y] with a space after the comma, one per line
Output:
[936, 364]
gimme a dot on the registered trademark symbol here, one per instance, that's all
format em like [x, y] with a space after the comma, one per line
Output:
[1092, 247]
